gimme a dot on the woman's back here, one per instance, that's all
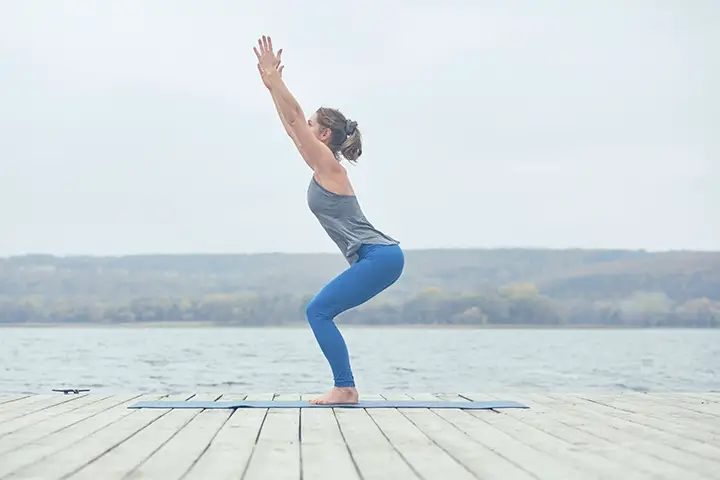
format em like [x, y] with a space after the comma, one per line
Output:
[344, 221]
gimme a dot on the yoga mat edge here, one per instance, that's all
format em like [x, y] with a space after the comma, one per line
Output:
[492, 404]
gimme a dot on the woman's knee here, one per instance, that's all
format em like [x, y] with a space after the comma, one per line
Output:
[316, 310]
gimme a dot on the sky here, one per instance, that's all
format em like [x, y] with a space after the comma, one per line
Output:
[142, 126]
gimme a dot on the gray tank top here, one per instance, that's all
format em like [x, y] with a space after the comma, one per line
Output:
[344, 221]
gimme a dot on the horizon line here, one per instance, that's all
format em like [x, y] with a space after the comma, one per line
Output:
[327, 253]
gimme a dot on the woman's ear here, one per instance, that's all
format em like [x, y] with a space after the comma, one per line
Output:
[325, 134]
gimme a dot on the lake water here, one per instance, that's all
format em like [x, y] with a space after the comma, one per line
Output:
[287, 360]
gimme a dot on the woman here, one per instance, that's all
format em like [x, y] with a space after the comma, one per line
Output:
[376, 260]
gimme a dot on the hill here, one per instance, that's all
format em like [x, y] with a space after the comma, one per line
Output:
[472, 286]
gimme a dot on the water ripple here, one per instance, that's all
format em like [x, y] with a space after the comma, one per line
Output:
[287, 360]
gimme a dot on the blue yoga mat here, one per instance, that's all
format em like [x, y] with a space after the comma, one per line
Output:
[305, 404]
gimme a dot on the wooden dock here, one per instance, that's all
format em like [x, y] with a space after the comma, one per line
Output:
[561, 436]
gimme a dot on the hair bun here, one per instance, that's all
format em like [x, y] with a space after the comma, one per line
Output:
[350, 127]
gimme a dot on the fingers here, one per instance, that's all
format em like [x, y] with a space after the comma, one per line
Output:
[267, 44]
[264, 47]
[281, 69]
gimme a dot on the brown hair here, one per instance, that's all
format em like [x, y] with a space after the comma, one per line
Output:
[345, 137]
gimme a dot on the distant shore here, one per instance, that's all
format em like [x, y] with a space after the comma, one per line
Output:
[343, 326]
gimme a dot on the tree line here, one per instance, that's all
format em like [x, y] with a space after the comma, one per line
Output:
[452, 287]
[516, 305]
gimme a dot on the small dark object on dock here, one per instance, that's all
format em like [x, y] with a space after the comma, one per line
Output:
[70, 390]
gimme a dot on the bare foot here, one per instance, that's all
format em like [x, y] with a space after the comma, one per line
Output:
[341, 395]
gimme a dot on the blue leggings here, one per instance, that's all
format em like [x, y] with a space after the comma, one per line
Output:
[378, 267]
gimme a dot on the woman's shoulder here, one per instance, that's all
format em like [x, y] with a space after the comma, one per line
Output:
[336, 181]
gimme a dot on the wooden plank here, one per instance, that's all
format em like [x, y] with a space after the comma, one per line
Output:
[623, 434]
[659, 417]
[182, 450]
[26, 433]
[19, 402]
[556, 422]
[682, 404]
[5, 400]
[477, 458]
[277, 452]
[707, 414]
[374, 455]
[661, 406]
[688, 451]
[544, 466]
[711, 397]
[566, 451]
[40, 418]
[324, 453]
[169, 449]
[68, 451]
[34, 404]
[704, 402]
[15, 460]
[228, 454]
[129, 457]
[425, 456]
[562, 436]
[700, 405]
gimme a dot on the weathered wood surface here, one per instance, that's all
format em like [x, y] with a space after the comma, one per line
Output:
[562, 436]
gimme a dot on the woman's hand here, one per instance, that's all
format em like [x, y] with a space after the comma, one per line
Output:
[267, 60]
[264, 77]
